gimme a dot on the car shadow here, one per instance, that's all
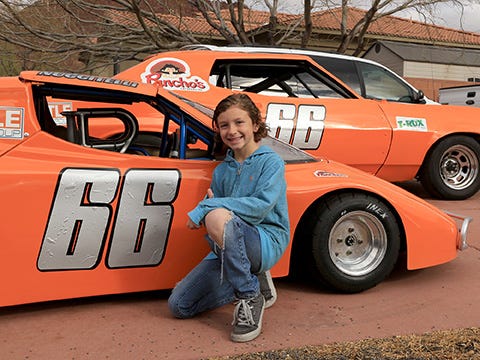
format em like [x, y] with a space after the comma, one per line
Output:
[136, 297]
[416, 188]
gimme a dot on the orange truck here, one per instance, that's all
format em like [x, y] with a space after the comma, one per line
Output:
[308, 107]
[84, 214]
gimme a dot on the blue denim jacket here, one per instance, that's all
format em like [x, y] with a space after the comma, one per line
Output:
[254, 190]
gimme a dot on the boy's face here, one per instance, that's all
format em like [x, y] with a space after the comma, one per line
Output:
[236, 130]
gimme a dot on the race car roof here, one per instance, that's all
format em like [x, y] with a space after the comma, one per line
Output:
[93, 88]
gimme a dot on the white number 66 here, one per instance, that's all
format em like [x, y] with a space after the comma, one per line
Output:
[82, 210]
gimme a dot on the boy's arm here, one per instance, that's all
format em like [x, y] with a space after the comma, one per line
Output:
[253, 208]
[196, 216]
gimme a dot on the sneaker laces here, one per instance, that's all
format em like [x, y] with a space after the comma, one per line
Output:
[243, 314]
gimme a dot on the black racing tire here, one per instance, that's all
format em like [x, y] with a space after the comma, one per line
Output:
[354, 242]
[451, 169]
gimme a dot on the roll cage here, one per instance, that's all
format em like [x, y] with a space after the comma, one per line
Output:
[172, 141]
[292, 78]
[79, 121]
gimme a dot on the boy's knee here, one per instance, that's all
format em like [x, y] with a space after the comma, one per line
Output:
[176, 309]
[215, 224]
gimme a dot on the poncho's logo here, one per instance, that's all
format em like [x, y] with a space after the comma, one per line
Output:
[172, 74]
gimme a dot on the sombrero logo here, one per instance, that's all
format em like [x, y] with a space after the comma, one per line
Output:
[172, 74]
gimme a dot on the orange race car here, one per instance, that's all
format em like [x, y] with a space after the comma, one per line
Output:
[308, 107]
[85, 215]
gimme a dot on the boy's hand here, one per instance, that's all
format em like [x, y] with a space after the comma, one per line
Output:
[209, 193]
[191, 225]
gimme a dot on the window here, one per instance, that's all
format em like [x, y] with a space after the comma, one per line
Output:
[275, 78]
[380, 84]
[345, 70]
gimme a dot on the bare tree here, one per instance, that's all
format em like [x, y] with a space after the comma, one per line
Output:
[273, 20]
[353, 35]
[88, 35]
[91, 36]
[229, 18]
[307, 15]
[213, 11]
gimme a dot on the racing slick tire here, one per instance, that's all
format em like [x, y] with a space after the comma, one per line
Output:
[451, 168]
[354, 242]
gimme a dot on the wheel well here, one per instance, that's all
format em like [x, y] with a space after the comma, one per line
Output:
[302, 225]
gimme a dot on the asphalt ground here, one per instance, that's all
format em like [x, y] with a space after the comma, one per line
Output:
[139, 326]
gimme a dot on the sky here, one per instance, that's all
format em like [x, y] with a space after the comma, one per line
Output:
[445, 14]
[452, 17]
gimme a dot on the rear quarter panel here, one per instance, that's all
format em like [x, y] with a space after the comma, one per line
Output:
[416, 128]
[29, 178]
[15, 109]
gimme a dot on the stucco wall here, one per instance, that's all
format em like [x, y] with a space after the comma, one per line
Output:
[430, 86]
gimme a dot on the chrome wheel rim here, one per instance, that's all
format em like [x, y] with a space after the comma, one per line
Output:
[459, 167]
[357, 243]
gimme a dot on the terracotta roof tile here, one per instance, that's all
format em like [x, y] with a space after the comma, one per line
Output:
[196, 24]
[394, 27]
[327, 20]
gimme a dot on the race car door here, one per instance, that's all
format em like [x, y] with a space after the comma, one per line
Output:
[340, 129]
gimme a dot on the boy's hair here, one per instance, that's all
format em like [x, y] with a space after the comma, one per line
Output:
[244, 102]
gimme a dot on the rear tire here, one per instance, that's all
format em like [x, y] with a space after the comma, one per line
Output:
[451, 169]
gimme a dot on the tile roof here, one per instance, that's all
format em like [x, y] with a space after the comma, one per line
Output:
[387, 27]
[196, 24]
[394, 27]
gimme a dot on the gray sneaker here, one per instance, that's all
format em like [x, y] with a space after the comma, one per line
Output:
[267, 288]
[247, 319]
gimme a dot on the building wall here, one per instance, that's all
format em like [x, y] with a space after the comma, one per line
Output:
[445, 72]
[387, 58]
[431, 86]
[428, 77]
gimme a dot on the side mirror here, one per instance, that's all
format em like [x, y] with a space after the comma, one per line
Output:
[419, 97]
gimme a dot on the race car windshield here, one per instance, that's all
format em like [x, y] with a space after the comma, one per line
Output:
[288, 153]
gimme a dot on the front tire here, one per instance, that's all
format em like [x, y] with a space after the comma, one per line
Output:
[355, 242]
[451, 169]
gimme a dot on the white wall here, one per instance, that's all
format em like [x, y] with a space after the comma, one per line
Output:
[439, 71]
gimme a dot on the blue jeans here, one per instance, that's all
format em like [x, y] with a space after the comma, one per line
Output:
[220, 280]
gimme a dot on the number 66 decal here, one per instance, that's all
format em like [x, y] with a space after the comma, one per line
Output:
[81, 214]
[302, 128]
